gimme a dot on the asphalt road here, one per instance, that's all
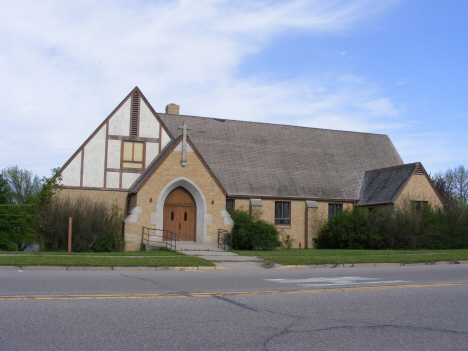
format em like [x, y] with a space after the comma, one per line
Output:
[386, 308]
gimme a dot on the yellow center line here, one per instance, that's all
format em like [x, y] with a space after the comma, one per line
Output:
[211, 294]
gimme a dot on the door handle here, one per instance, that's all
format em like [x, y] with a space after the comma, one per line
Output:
[180, 226]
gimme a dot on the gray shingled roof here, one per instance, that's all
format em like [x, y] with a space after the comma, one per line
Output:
[384, 185]
[260, 159]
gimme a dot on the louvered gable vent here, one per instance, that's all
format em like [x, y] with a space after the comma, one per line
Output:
[419, 170]
[134, 114]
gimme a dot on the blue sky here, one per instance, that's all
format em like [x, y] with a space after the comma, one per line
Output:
[387, 66]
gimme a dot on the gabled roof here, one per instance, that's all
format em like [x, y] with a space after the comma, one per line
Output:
[382, 186]
[160, 159]
[136, 89]
[269, 160]
[155, 164]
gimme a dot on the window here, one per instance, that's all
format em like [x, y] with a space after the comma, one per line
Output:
[334, 209]
[132, 154]
[282, 213]
[417, 206]
[230, 204]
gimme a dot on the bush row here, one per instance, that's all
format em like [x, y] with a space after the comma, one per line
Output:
[389, 228]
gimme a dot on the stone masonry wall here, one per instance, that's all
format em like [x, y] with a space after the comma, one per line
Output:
[317, 217]
[242, 204]
[168, 171]
[305, 222]
[114, 197]
[418, 188]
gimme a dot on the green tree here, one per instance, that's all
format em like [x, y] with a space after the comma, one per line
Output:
[443, 188]
[24, 186]
[23, 195]
[5, 220]
[453, 185]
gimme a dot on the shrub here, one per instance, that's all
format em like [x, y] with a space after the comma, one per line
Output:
[252, 233]
[440, 228]
[349, 230]
[287, 240]
[96, 226]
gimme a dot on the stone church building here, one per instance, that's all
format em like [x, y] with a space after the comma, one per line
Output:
[181, 173]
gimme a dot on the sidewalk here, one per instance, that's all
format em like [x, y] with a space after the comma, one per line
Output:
[221, 258]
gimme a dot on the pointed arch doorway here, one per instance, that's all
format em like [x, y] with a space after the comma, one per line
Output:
[180, 213]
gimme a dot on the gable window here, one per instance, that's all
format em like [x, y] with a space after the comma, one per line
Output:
[334, 209]
[282, 213]
[230, 204]
[418, 206]
[132, 154]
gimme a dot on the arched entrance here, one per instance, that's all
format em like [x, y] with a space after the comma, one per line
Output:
[180, 214]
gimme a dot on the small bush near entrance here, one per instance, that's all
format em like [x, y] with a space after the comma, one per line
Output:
[96, 225]
[252, 233]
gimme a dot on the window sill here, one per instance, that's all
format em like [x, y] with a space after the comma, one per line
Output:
[283, 226]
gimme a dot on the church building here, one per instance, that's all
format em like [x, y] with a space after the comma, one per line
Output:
[181, 173]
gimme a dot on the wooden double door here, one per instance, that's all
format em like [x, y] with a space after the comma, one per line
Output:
[180, 214]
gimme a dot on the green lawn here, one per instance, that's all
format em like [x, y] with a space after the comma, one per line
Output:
[314, 256]
[151, 259]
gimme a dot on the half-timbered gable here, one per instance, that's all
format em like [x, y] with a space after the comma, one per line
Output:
[120, 149]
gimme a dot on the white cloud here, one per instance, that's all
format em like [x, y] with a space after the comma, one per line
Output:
[66, 65]
[437, 151]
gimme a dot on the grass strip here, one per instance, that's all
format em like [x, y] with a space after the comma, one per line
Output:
[50, 260]
[311, 256]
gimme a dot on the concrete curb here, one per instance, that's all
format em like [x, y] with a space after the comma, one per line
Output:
[103, 268]
[351, 265]
[211, 268]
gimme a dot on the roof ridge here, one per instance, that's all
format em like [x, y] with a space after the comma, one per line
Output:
[272, 124]
[405, 164]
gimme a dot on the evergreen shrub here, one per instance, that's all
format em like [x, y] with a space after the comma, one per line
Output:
[349, 230]
[252, 233]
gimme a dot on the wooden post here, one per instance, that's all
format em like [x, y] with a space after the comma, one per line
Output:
[69, 233]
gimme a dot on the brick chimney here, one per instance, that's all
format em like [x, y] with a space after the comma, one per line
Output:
[172, 109]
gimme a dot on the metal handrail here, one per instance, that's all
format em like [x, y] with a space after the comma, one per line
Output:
[167, 237]
[224, 238]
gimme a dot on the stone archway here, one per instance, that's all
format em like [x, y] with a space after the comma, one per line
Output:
[202, 218]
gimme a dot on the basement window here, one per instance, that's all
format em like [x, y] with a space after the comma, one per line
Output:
[132, 154]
